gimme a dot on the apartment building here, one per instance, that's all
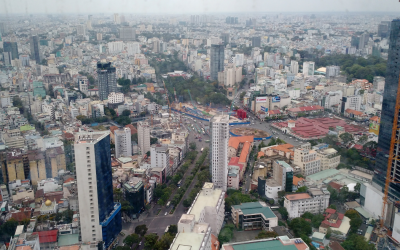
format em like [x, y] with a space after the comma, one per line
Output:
[219, 127]
[330, 158]
[209, 207]
[315, 201]
[307, 160]
[123, 145]
[350, 102]
[143, 129]
[254, 216]
[160, 158]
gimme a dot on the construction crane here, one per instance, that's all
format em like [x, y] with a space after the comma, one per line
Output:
[169, 105]
[394, 143]
[194, 106]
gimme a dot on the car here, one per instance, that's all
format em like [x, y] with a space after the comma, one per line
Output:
[166, 213]
[140, 243]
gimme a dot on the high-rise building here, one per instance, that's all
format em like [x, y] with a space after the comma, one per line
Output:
[156, 46]
[117, 19]
[100, 217]
[35, 49]
[256, 41]
[123, 145]
[99, 37]
[127, 33]
[106, 79]
[231, 20]
[225, 38]
[388, 112]
[160, 159]
[24, 59]
[3, 28]
[11, 47]
[363, 41]
[383, 30]
[219, 127]
[132, 48]
[332, 71]
[7, 58]
[217, 58]
[308, 68]
[83, 83]
[143, 129]
[294, 67]
[81, 30]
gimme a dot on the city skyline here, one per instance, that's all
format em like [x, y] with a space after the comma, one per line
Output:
[188, 7]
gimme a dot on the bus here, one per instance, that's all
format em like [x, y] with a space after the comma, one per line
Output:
[207, 140]
[166, 230]
[168, 203]
[179, 183]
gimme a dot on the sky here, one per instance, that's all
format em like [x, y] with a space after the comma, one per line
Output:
[193, 6]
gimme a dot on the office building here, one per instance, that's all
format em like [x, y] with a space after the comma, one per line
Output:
[134, 194]
[217, 58]
[383, 29]
[239, 60]
[209, 207]
[127, 33]
[253, 216]
[132, 48]
[81, 30]
[99, 37]
[307, 160]
[24, 59]
[160, 159]
[363, 41]
[379, 83]
[388, 110]
[156, 46]
[294, 67]
[11, 47]
[225, 38]
[308, 68]
[256, 41]
[330, 158]
[315, 202]
[83, 84]
[100, 220]
[219, 128]
[143, 136]
[117, 19]
[350, 102]
[7, 58]
[35, 49]
[3, 28]
[231, 20]
[107, 82]
[123, 145]
[281, 180]
[332, 71]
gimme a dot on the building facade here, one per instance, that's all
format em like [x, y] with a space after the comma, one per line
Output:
[330, 158]
[307, 160]
[123, 144]
[35, 49]
[219, 128]
[100, 221]
[217, 58]
[11, 47]
[254, 216]
[107, 81]
[143, 129]
[315, 202]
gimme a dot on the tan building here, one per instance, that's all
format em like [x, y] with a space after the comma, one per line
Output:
[307, 160]
[37, 166]
[15, 165]
[55, 159]
[13, 139]
[330, 158]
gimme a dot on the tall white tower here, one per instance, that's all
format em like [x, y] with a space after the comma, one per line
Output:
[123, 145]
[144, 137]
[219, 150]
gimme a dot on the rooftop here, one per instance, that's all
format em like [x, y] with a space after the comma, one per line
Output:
[255, 208]
[187, 241]
[203, 200]
[282, 243]
[299, 196]
[323, 174]
[220, 118]
[92, 137]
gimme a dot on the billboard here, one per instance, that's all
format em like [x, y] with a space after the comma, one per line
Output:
[261, 99]
[276, 99]
[264, 109]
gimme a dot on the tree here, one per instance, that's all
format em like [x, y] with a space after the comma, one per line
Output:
[266, 235]
[134, 137]
[351, 214]
[355, 223]
[153, 140]
[192, 146]
[300, 227]
[131, 239]
[357, 187]
[165, 242]
[126, 113]
[186, 203]
[346, 137]
[284, 213]
[148, 153]
[173, 229]
[141, 230]
[357, 242]
[271, 202]
[363, 139]
[317, 220]
[333, 206]
[328, 233]
[302, 189]
[149, 241]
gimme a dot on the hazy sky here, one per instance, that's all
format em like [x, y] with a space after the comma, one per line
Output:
[194, 6]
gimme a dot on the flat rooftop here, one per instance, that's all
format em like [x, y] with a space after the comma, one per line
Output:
[90, 137]
[187, 241]
[299, 196]
[255, 208]
[283, 243]
[220, 118]
[203, 200]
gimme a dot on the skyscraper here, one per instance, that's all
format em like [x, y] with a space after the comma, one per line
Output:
[219, 127]
[127, 33]
[123, 145]
[100, 217]
[256, 41]
[35, 49]
[387, 116]
[294, 67]
[11, 47]
[225, 38]
[217, 58]
[308, 68]
[81, 30]
[143, 129]
[106, 79]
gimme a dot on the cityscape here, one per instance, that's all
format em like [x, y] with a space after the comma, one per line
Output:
[199, 127]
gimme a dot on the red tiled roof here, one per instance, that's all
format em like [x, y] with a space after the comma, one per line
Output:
[354, 112]
[47, 236]
[358, 146]
[69, 180]
[335, 185]
[133, 129]
[22, 214]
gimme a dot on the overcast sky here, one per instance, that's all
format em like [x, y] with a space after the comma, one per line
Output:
[194, 6]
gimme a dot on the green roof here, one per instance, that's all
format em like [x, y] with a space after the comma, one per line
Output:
[323, 174]
[37, 84]
[270, 245]
[26, 127]
[362, 211]
[255, 208]
[67, 239]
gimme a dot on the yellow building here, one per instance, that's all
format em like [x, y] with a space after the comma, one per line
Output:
[15, 166]
[55, 158]
[37, 166]
[374, 124]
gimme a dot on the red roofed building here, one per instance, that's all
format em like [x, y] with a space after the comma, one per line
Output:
[22, 214]
[335, 185]
[307, 109]
[132, 128]
[48, 239]
[358, 115]
[332, 218]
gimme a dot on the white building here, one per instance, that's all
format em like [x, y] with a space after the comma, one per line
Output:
[83, 84]
[315, 202]
[143, 129]
[332, 71]
[239, 59]
[307, 160]
[332, 98]
[123, 145]
[308, 68]
[115, 47]
[209, 207]
[81, 30]
[229, 77]
[219, 127]
[114, 98]
[351, 102]
[133, 48]
[160, 157]
[294, 67]
[330, 158]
